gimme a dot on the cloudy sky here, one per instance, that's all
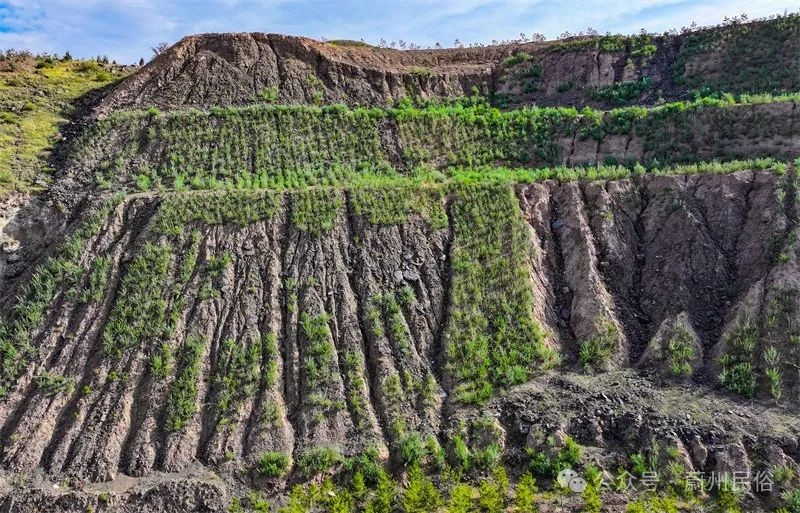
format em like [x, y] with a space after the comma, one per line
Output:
[125, 30]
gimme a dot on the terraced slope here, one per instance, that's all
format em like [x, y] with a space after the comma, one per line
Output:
[435, 306]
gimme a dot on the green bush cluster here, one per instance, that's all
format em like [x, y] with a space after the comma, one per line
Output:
[97, 281]
[392, 204]
[318, 460]
[749, 57]
[417, 450]
[240, 207]
[384, 312]
[468, 459]
[318, 359]
[608, 43]
[680, 352]
[356, 386]
[598, 349]
[622, 93]
[53, 384]
[465, 134]
[263, 146]
[421, 495]
[775, 329]
[271, 354]
[189, 257]
[791, 499]
[34, 105]
[738, 362]
[517, 58]
[364, 485]
[548, 463]
[161, 361]
[274, 464]
[642, 48]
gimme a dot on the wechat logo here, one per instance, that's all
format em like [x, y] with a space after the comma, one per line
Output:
[568, 478]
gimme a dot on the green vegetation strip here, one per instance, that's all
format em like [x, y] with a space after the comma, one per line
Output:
[182, 400]
[361, 483]
[388, 200]
[492, 338]
[242, 148]
[245, 207]
[139, 314]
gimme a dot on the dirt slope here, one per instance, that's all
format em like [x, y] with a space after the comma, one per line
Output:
[302, 292]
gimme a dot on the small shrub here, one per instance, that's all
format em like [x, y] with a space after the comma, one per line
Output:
[517, 58]
[318, 460]
[526, 494]
[53, 384]
[680, 352]
[269, 94]
[544, 465]
[160, 362]
[273, 464]
[412, 449]
[461, 454]
[319, 354]
[729, 497]
[461, 500]
[791, 500]
[623, 92]
[738, 373]
[564, 86]
[419, 71]
[385, 494]
[653, 505]
[774, 375]
[490, 497]
[638, 464]
[235, 505]
[597, 350]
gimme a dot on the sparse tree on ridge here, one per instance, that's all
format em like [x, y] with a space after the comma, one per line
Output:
[160, 48]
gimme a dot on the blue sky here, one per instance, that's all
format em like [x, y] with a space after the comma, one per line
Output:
[126, 29]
